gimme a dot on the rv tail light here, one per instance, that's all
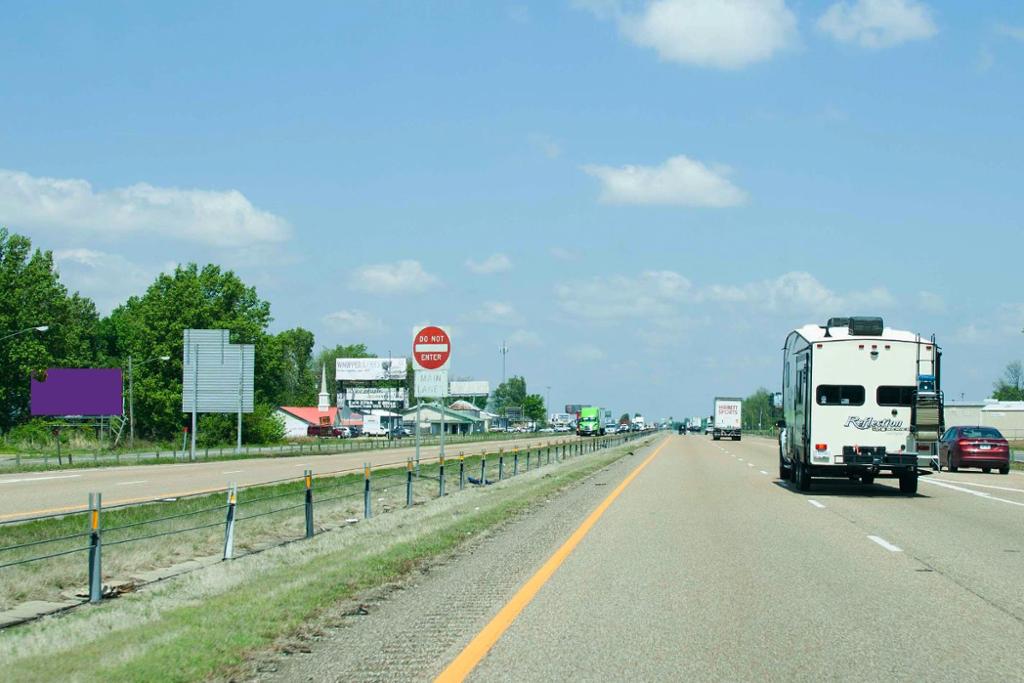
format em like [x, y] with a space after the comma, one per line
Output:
[821, 446]
[821, 346]
[860, 346]
[888, 347]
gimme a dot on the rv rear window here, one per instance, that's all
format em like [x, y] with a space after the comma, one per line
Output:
[840, 395]
[895, 396]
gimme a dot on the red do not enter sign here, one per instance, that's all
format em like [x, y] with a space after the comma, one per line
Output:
[431, 348]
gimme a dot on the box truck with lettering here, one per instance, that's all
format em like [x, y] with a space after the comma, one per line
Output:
[727, 418]
[859, 400]
[372, 426]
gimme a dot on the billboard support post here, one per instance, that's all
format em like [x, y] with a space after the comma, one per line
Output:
[195, 401]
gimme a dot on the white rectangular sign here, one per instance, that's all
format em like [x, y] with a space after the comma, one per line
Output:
[370, 368]
[470, 388]
[217, 376]
[431, 383]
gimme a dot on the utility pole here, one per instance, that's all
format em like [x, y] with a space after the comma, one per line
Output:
[504, 352]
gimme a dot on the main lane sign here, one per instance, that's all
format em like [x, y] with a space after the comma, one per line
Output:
[431, 348]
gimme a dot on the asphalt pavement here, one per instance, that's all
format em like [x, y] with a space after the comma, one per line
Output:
[708, 567]
[37, 493]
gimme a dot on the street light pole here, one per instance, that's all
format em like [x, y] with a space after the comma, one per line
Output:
[37, 328]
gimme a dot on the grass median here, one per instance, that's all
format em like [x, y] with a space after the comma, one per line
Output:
[203, 623]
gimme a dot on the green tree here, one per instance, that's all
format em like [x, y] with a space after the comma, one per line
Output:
[153, 324]
[624, 418]
[533, 407]
[290, 354]
[759, 409]
[31, 295]
[510, 394]
[1010, 387]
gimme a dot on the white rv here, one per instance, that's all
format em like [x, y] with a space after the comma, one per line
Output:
[859, 400]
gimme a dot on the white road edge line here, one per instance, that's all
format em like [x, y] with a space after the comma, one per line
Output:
[232, 472]
[57, 476]
[980, 494]
[885, 544]
[126, 483]
[815, 503]
[984, 486]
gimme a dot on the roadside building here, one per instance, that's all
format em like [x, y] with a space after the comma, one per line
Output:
[1006, 416]
[455, 421]
[298, 418]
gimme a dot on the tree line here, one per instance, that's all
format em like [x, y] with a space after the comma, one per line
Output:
[147, 327]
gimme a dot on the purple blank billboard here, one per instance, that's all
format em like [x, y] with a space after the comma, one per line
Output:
[77, 391]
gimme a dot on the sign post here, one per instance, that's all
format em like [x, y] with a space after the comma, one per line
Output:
[431, 352]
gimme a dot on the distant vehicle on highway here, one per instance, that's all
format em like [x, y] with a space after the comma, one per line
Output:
[610, 428]
[709, 428]
[589, 423]
[859, 400]
[728, 415]
[982, 447]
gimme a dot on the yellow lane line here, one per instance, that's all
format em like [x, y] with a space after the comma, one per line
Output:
[477, 648]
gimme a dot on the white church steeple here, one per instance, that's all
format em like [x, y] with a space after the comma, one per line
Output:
[324, 400]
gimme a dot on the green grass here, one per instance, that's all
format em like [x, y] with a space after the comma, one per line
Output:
[204, 628]
[337, 497]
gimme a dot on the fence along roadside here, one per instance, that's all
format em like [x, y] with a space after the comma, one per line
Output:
[342, 487]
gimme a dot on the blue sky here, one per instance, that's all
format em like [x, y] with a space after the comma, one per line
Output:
[642, 197]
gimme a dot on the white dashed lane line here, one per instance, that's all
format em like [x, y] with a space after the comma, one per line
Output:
[815, 503]
[31, 479]
[980, 494]
[129, 483]
[885, 544]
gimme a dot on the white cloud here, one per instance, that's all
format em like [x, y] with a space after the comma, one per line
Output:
[353, 321]
[108, 279]
[726, 34]
[399, 277]
[495, 312]
[495, 263]
[524, 339]
[930, 302]
[878, 24]
[545, 145]
[798, 292]
[563, 254]
[586, 353]
[680, 181]
[652, 293]
[74, 208]
[1015, 32]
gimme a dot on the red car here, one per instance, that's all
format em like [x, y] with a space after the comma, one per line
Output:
[982, 447]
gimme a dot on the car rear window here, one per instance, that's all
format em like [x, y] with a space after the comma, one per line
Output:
[840, 395]
[980, 433]
[895, 396]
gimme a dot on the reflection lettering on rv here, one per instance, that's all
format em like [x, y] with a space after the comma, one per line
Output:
[870, 423]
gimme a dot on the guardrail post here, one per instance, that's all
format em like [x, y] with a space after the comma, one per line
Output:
[408, 483]
[515, 462]
[95, 548]
[367, 508]
[308, 476]
[462, 471]
[483, 467]
[440, 477]
[501, 466]
[229, 523]
[527, 459]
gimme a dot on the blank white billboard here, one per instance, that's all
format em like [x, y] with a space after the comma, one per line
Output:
[470, 388]
[217, 376]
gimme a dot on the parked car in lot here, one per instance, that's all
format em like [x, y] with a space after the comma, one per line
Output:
[982, 447]
[399, 432]
[327, 432]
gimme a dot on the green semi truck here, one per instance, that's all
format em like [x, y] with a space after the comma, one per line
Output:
[589, 422]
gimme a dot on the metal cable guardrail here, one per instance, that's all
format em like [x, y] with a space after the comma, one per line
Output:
[399, 484]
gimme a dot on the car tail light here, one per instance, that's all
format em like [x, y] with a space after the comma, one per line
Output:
[821, 446]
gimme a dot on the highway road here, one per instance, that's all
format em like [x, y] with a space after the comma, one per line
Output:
[707, 567]
[37, 493]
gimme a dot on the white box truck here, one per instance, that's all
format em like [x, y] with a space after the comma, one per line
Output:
[372, 426]
[728, 415]
[859, 400]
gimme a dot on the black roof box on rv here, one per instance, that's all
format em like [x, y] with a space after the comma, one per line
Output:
[866, 326]
[837, 322]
